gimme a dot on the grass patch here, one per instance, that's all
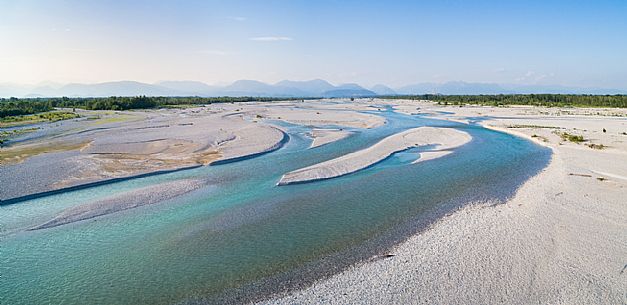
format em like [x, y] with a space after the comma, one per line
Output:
[20, 153]
[52, 116]
[7, 134]
[112, 119]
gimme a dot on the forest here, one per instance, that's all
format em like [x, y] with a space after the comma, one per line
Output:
[14, 106]
[548, 100]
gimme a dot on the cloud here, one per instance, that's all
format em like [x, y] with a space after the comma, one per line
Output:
[271, 38]
[527, 76]
[532, 76]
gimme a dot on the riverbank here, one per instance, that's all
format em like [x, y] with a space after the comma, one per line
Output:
[322, 137]
[559, 240]
[394, 233]
[129, 200]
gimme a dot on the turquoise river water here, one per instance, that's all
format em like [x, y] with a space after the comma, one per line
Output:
[242, 237]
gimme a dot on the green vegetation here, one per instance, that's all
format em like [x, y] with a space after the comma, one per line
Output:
[549, 100]
[12, 155]
[540, 137]
[15, 107]
[7, 134]
[532, 126]
[571, 137]
[51, 116]
[99, 120]
[57, 116]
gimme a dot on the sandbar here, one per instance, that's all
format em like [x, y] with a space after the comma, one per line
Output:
[443, 138]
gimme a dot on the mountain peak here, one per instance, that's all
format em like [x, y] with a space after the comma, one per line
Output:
[381, 89]
[314, 87]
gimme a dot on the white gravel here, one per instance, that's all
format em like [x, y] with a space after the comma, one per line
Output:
[444, 138]
[562, 239]
[128, 200]
[325, 136]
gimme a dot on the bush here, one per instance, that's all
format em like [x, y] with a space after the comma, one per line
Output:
[549, 100]
[571, 137]
[596, 146]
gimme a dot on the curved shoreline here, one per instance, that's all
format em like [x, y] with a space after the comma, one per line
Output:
[82, 186]
[444, 138]
[323, 137]
[404, 235]
[124, 201]
[502, 221]
[275, 147]
[89, 185]
[541, 246]
[378, 249]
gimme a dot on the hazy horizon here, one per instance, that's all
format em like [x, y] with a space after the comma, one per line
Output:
[227, 83]
[556, 43]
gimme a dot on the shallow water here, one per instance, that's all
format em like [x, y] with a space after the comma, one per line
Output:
[241, 228]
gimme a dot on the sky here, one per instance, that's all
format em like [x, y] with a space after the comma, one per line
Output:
[566, 42]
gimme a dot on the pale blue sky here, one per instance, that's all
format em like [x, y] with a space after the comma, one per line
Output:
[574, 43]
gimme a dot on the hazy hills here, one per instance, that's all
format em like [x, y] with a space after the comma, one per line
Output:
[312, 88]
[456, 88]
[286, 88]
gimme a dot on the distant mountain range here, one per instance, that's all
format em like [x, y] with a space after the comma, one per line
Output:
[456, 88]
[286, 88]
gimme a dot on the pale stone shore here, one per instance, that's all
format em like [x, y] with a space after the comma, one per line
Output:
[562, 239]
[128, 200]
[325, 136]
[443, 138]
[131, 143]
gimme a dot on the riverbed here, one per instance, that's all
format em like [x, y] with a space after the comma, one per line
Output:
[240, 237]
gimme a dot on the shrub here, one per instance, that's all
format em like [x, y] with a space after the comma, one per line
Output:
[596, 146]
[571, 137]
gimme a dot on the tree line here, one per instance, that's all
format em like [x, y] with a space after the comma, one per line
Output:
[549, 100]
[14, 106]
